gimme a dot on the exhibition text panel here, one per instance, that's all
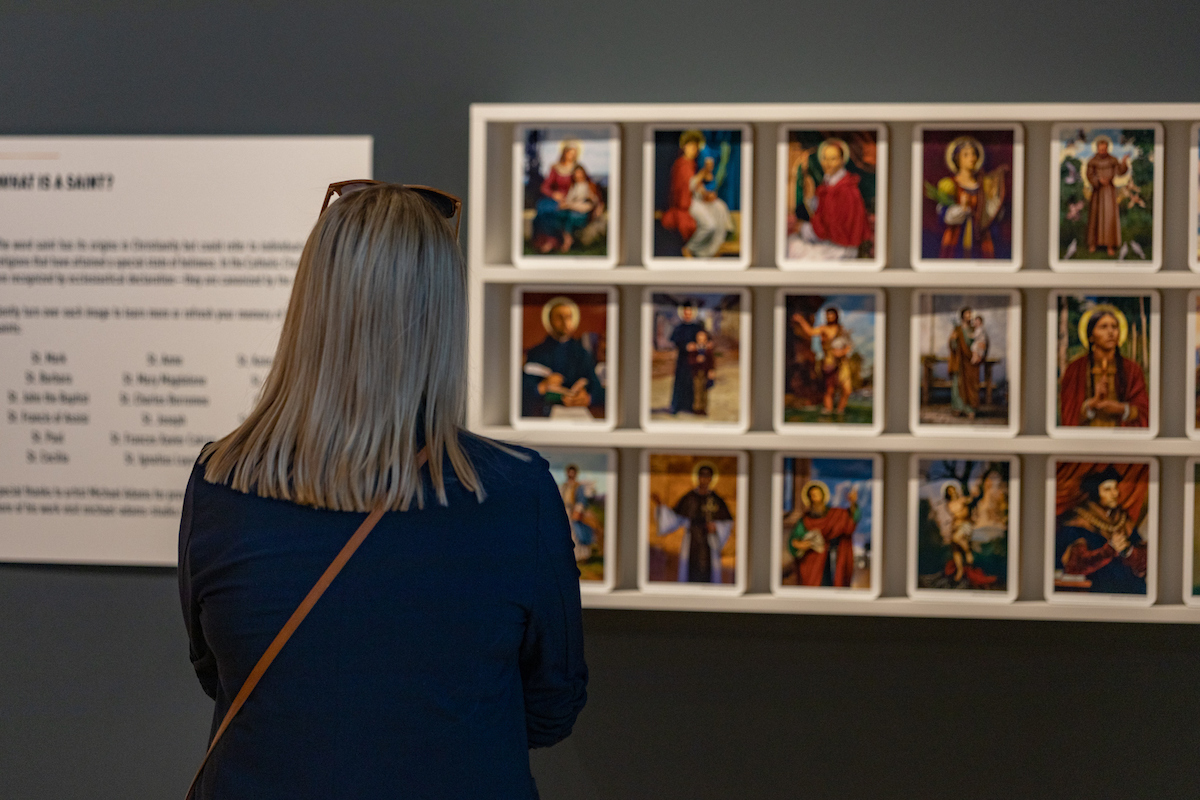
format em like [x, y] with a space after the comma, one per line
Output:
[143, 282]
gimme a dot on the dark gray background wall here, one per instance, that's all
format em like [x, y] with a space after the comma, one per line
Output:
[96, 695]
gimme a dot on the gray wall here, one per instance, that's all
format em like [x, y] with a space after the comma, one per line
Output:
[96, 695]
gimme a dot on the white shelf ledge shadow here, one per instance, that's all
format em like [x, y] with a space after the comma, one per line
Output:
[757, 603]
[884, 443]
[891, 277]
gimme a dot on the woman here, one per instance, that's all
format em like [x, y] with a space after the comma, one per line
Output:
[969, 203]
[451, 641]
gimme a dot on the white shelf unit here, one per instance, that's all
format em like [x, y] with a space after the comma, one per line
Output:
[492, 276]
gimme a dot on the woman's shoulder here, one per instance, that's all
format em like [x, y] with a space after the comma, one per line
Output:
[503, 462]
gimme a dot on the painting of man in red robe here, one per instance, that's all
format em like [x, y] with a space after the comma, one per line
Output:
[831, 196]
[827, 522]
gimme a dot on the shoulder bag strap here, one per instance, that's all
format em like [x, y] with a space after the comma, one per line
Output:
[289, 627]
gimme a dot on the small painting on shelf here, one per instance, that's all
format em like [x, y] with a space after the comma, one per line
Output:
[587, 482]
[693, 527]
[966, 363]
[695, 359]
[566, 196]
[832, 197]
[1102, 531]
[563, 355]
[1105, 184]
[696, 198]
[968, 195]
[1103, 364]
[829, 375]
[827, 522]
[963, 534]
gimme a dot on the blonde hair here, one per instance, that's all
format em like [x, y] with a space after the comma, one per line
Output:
[373, 344]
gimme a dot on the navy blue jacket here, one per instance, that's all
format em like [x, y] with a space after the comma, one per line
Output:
[448, 645]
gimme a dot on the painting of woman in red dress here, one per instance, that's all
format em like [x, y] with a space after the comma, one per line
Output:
[1100, 386]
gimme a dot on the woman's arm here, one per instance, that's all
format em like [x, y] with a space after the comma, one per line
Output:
[552, 667]
[202, 658]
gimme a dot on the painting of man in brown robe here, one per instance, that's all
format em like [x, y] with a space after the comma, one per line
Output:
[1104, 218]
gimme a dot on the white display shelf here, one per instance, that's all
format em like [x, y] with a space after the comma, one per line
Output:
[886, 278]
[760, 603]
[483, 113]
[492, 275]
[884, 443]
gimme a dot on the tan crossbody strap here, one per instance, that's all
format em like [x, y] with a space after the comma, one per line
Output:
[289, 627]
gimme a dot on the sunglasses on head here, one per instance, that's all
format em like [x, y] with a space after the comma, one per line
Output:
[446, 204]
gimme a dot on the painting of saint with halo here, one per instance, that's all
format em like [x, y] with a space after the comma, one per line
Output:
[699, 195]
[562, 348]
[1107, 192]
[566, 195]
[1103, 360]
[691, 531]
[827, 519]
[833, 179]
[964, 202]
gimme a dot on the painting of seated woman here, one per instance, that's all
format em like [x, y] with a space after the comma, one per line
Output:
[566, 196]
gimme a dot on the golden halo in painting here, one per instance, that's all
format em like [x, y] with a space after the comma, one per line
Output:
[838, 143]
[1122, 323]
[953, 148]
[824, 487]
[560, 301]
[716, 474]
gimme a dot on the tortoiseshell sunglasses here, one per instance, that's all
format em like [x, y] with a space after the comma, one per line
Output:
[446, 204]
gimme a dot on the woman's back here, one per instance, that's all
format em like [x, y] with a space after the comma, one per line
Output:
[448, 645]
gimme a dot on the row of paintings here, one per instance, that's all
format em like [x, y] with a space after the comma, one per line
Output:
[827, 523]
[965, 361]
[967, 196]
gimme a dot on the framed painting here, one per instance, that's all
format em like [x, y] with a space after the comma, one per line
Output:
[564, 349]
[1102, 530]
[1102, 364]
[968, 197]
[1193, 224]
[1191, 571]
[696, 197]
[1192, 368]
[587, 481]
[829, 365]
[963, 531]
[965, 366]
[566, 196]
[832, 197]
[827, 520]
[692, 535]
[695, 359]
[1105, 183]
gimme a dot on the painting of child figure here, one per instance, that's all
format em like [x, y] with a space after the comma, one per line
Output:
[697, 197]
[967, 197]
[965, 362]
[832, 203]
[566, 196]
[826, 518]
[695, 352]
[963, 532]
[1104, 193]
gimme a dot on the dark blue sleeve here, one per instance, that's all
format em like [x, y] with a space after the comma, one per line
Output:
[552, 667]
[202, 658]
